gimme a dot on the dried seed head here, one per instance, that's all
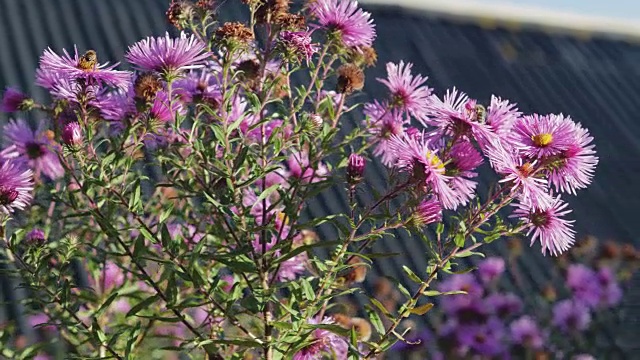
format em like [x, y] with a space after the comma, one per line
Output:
[360, 325]
[350, 79]
[146, 86]
[363, 56]
[610, 250]
[234, 33]
[206, 4]
[179, 13]
[357, 273]
[270, 10]
[291, 22]
[249, 72]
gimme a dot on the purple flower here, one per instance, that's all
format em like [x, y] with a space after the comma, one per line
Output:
[165, 110]
[501, 115]
[323, 343]
[457, 115]
[72, 134]
[355, 168]
[36, 236]
[503, 305]
[407, 91]
[537, 136]
[420, 158]
[525, 332]
[554, 232]
[37, 149]
[54, 67]
[491, 269]
[383, 123]
[202, 86]
[429, 211]
[111, 276]
[115, 105]
[612, 293]
[12, 100]
[570, 316]
[354, 25]
[520, 175]
[301, 168]
[464, 158]
[16, 186]
[573, 168]
[584, 285]
[486, 339]
[167, 55]
[467, 308]
[299, 42]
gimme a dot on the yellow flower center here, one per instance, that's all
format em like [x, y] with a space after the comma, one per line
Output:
[434, 161]
[542, 140]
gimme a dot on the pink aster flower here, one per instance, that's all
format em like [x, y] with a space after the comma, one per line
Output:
[383, 124]
[75, 68]
[457, 115]
[429, 211]
[420, 158]
[612, 292]
[537, 136]
[525, 332]
[503, 305]
[299, 42]
[12, 100]
[72, 134]
[323, 343]
[573, 168]
[164, 110]
[485, 339]
[35, 148]
[521, 175]
[407, 91]
[167, 55]
[584, 285]
[16, 186]
[501, 115]
[464, 159]
[354, 25]
[300, 167]
[554, 232]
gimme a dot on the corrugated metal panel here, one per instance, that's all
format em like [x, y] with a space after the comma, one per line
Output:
[597, 81]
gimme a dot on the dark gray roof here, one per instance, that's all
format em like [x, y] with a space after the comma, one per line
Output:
[595, 80]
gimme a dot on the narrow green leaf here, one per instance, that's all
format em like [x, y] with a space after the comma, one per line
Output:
[422, 309]
[142, 305]
[411, 274]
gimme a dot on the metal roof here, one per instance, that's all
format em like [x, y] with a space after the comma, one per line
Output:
[594, 79]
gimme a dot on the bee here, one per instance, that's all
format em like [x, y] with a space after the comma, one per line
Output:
[481, 114]
[88, 61]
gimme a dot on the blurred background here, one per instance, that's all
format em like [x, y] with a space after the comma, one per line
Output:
[580, 58]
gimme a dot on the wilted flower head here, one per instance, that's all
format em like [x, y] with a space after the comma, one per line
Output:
[429, 211]
[36, 148]
[299, 42]
[355, 168]
[350, 79]
[35, 236]
[354, 25]
[167, 55]
[16, 186]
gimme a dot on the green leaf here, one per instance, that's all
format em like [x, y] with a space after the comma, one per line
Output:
[411, 274]
[142, 305]
[381, 307]
[105, 304]
[467, 253]
[308, 291]
[374, 318]
[422, 309]
[459, 240]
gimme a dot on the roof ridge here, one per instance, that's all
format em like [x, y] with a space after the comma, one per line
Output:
[516, 16]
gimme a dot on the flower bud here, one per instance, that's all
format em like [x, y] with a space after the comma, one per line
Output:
[429, 211]
[72, 134]
[355, 168]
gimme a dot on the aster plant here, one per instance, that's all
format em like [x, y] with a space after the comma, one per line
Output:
[166, 210]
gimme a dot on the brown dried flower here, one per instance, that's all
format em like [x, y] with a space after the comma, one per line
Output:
[179, 13]
[146, 86]
[234, 32]
[350, 79]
